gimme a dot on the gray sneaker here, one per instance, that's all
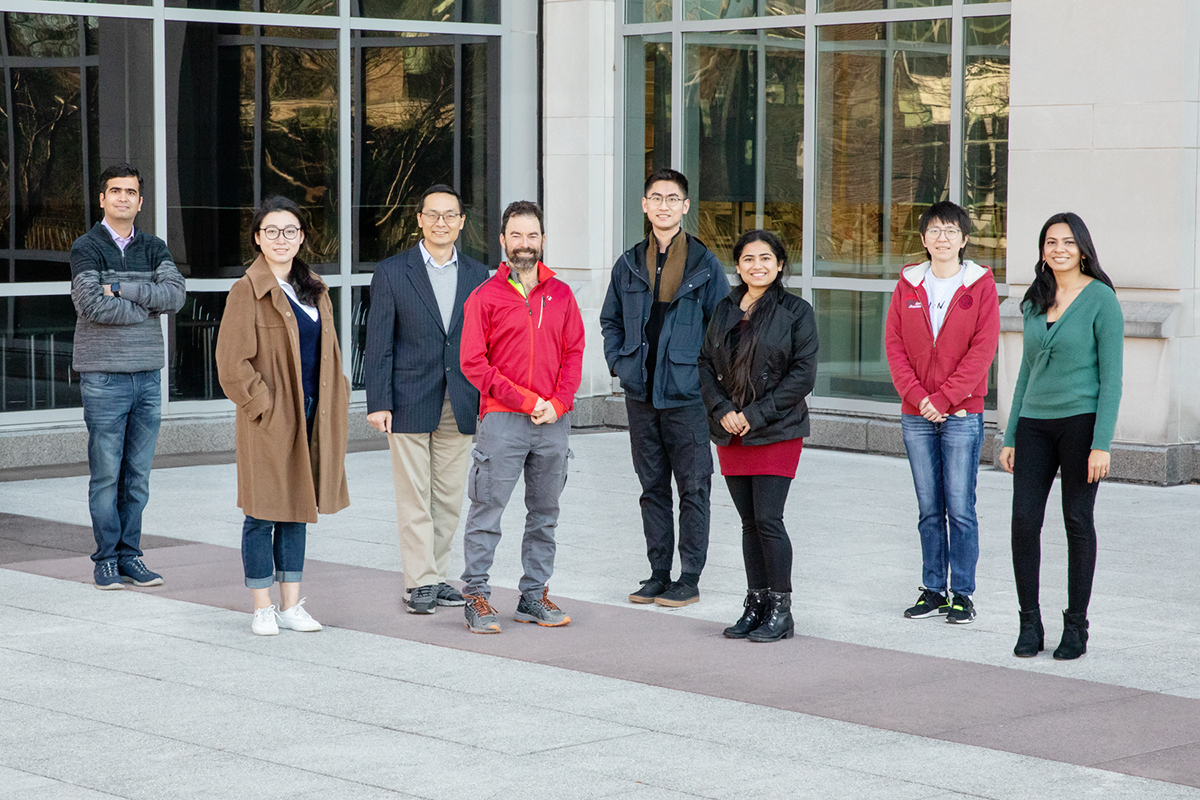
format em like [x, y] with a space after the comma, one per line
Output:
[422, 600]
[480, 616]
[447, 595]
[541, 612]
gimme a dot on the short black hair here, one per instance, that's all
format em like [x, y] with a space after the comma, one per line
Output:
[440, 188]
[121, 171]
[951, 214]
[522, 208]
[666, 174]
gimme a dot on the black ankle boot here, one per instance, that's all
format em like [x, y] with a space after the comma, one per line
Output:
[1032, 639]
[752, 617]
[777, 623]
[1074, 638]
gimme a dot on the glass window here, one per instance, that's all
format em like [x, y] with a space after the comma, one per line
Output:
[258, 117]
[744, 136]
[647, 121]
[328, 7]
[647, 11]
[852, 361]
[360, 306]
[77, 93]
[882, 143]
[985, 140]
[732, 9]
[193, 347]
[875, 5]
[37, 336]
[432, 10]
[424, 107]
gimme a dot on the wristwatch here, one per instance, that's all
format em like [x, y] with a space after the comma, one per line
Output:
[115, 289]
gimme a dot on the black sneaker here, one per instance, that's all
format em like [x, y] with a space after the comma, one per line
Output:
[678, 595]
[651, 588]
[930, 603]
[134, 571]
[423, 600]
[962, 610]
[447, 595]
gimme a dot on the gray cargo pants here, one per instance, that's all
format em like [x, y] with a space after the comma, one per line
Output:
[509, 444]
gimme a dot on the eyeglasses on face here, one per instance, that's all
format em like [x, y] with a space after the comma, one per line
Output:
[936, 233]
[289, 233]
[670, 201]
[432, 218]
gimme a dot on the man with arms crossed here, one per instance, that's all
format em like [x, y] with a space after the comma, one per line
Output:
[416, 392]
[662, 293]
[122, 280]
[522, 347]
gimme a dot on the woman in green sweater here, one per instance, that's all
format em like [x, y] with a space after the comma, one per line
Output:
[1064, 412]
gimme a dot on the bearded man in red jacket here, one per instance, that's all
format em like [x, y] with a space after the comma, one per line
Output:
[522, 348]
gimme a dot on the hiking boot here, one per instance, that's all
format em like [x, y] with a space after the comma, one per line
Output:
[297, 619]
[929, 603]
[423, 600]
[106, 576]
[752, 617]
[678, 594]
[134, 571]
[480, 616]
[263, 623]
[962, 610]
[447, 595]
[651, 588]
[541, 611]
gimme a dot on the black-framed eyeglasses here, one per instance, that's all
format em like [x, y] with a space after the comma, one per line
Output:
[272, 233]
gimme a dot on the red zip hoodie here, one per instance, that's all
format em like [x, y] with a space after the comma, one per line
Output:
[516, 349]
[952, 370]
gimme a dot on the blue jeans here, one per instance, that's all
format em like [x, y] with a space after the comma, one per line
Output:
[272, 551]
[944, 458]
[122, 411]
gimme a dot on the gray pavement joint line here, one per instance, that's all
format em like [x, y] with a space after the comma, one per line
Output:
[65, 783]
[222, 750]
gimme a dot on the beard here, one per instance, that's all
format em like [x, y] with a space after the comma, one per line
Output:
[524, 259]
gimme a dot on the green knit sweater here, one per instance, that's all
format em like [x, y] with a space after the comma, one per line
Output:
[1074, 367]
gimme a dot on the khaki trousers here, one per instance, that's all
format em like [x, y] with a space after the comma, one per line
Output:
[429, 471]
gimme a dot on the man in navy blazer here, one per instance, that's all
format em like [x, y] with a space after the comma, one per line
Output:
[417, 395]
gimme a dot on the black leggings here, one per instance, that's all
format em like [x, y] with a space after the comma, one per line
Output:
[766, 548]
[1042, 446]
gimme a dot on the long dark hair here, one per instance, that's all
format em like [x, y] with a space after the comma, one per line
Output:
[1040, 295]
[308, 287]
[741, 383]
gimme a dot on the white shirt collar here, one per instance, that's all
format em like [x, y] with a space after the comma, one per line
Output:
[428, 259]
[121, 241]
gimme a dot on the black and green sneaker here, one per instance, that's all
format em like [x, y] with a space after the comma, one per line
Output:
[962, 610]
[930, 603]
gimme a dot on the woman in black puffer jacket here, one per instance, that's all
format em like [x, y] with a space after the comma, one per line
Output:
[758, 363]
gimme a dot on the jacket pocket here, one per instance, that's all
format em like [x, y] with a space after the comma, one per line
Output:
[479, 479]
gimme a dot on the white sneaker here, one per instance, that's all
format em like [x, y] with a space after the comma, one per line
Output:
[263, 623]
[297, 619]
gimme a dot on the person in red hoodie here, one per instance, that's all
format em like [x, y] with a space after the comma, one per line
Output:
[522, 348]
[942, 329]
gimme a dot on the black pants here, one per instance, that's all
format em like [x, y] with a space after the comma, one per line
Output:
[1042, 446]
[766, 548]
[666, 442]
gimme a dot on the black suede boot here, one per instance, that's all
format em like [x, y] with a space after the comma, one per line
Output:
[778, 622]
[1074, 638]
[1032, 639]
[752, 617]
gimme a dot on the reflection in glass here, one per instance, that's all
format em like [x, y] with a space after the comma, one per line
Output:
[882, 143]
[360, 305]
[37, 336]
[647, 11]
[647, 121]
[423, 111]
[487, 11]
[193, 344]
[72, 87]
[852, 361]
[733, 9]
[269, 6]
[260, 118]
[744, 136]
[872, 5]
[985, 139]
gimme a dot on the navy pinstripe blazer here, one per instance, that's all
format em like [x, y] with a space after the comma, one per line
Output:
[410, 357]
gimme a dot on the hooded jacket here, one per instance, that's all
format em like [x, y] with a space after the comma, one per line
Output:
[951, 370]
[626, 311]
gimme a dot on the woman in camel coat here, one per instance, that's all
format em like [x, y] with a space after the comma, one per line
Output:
[278, 360]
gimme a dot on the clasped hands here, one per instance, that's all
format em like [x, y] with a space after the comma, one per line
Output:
[543, 412]
[735, 422]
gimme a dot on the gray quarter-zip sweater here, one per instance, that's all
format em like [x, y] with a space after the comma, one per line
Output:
[121, 334]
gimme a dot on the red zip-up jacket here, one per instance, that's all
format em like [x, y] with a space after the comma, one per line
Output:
[516, 349]
[952, 370]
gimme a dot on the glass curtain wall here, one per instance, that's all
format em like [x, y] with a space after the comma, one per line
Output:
[248, 109]
[903, 109]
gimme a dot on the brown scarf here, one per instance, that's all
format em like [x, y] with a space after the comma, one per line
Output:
[672, 273]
